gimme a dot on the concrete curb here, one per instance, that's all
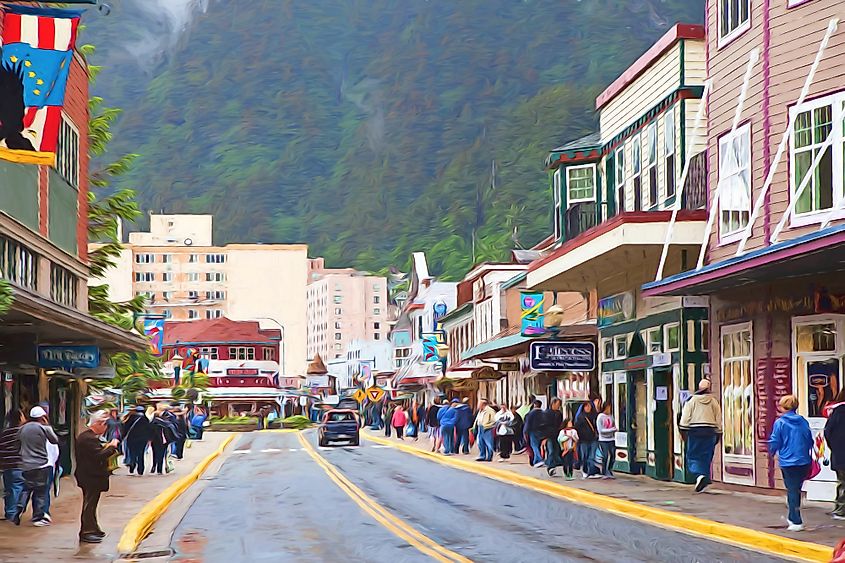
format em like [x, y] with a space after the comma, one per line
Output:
[716, 531]
[139, 527]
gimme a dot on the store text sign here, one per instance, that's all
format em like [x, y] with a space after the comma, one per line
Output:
[68, 357]
[562, 356]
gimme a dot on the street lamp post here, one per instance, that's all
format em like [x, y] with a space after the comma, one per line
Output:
[284, 343]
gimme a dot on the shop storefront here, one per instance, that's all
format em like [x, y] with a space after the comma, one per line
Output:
[653, 353]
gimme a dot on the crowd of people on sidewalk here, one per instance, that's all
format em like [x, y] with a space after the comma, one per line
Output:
[585, 440]
[30, 452]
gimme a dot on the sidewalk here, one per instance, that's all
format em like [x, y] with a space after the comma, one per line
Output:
[758, 512]
[127, 495]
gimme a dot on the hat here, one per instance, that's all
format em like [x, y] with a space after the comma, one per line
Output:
[455, 400]
[140, 408]
[704, 385]
[37, 412]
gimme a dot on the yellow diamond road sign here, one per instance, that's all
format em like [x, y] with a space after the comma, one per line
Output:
[359, 395]
[375, 394]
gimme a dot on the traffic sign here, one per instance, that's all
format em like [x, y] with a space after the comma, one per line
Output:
[375, 394]
[359, 395]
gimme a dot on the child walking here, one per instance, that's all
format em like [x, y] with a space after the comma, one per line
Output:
[568, 439]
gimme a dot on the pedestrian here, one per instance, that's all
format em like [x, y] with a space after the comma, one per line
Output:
[463, 424]
[505, 432]
[526, 407]
[92, 474]
[484, 423]
[413, 421]
[585, 425]
[518, 441]
[388, 419]
[552, 422]
[163, 433]
[792, 442]
[198, 422]
[606, 426]
[533, 433]
[138, 435]
[701, 422]
[422, 425]
[53, 454]
[568, 441]
[10, 464]
[433, 424]
[834, 434]
[376, 415]
[35, 466]
[399, 420]
[448, 419]
[181, 422]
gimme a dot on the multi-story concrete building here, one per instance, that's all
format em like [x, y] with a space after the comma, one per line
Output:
[343, 305]
[185, 277]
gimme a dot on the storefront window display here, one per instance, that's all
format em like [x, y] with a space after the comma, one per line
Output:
[737, 404]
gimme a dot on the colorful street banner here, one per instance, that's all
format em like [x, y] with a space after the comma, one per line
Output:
[154, 331]
[430, 340]
[616, 309]
[439, 311]
[532, 313]
[35, 63]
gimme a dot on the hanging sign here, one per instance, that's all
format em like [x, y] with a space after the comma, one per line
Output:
[430, 341]
[37, 54]
[562, 356]
[68, 357]
[531, 315]
[616, 309]
[154, 331]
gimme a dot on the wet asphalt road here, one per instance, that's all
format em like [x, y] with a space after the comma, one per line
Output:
[279, 505]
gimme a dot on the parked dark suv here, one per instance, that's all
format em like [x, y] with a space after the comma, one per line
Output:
[339, 425]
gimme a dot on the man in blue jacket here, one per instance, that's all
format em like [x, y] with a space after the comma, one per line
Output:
[462, 425]
[533, 430]
[448, 417]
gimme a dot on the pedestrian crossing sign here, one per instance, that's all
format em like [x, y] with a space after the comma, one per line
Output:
[359, 395]
[375, 394]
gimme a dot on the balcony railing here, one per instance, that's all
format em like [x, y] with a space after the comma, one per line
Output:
[695, 189]
[578, 218]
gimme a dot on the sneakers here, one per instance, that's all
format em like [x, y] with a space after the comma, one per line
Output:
[90, 538]
[570, 477]
[794, 527]
[538, 464]
[838, 517]
[596, 476]
[41, 523]
[701, 483]
[551, 471]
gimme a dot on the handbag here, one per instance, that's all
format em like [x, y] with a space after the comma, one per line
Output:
[411, 430]
[815, 469]
[114, 462]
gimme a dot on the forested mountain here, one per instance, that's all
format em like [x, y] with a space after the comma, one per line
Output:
[366, 128]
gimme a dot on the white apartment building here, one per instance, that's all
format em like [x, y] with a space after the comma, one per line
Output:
[343, 305]
[185, 277]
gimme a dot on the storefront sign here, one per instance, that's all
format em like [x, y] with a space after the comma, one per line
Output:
[532, 314]
[616, 309]
[563, 356]
[68, 357]
[508, 366]
[241, 371]
[636, 362]
[773, 381]
[661, 393]
[661, 359]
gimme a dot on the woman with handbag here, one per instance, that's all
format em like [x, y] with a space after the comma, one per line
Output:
[792, 442]
[505, 433]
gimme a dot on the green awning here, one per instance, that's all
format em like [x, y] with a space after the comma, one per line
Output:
[495, 345]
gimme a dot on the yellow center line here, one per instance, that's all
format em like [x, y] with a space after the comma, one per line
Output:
[400, 528]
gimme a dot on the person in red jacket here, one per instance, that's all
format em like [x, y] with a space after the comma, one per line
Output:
[400, 419]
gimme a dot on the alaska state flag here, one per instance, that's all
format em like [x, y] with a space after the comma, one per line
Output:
[37, 52]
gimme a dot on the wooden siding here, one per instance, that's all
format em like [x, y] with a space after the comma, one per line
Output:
[649, 88]
[695, 63]
[795, 35]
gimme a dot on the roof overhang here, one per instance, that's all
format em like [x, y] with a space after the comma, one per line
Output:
[602, 252]
[820, 252]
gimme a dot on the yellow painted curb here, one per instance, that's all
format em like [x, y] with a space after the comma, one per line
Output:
[138, 528]
[707, 529]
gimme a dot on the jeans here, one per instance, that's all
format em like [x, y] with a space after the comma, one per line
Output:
[485, 443]
[34, 487]
[448, 433]
[793, 478]
[12, 489]
[701, 442]
[159, 452]
[839, 509]
[387, 429]
[536, 439]
[178, 448]
[608, 456]
[197, 432]
[48, 489]
[463, 441]
[587, 453]
[553, 453]
[90, 499]
[136, 452]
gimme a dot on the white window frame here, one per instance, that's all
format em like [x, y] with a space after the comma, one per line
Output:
[649, 340]
[144, 277]
[67, 152]
[741, 27]
[619, 175]
[604, 344]
[569, 199]
[636, 168]
[166, 258]
[737, 458]
[670, 150]
[209, 352]
[557, 186]
[666, 329]
[727, 173]
[650, 164]
[193, 276]
[616, 355]
[837, 103]
[213, 313]
[193, 314]
[167, 276]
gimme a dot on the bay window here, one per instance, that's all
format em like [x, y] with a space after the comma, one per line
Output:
[734, 181]
[581, 183]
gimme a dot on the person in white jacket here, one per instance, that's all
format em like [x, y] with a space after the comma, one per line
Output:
[504, 431]
[606, 426]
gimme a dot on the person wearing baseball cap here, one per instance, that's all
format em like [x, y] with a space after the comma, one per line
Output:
[35, 465]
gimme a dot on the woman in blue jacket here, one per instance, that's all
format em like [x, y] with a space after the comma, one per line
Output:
[792, 441]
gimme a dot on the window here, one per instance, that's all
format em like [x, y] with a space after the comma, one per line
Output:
[734, 181]
[193, 277]
[669, 151]
[67, 152]
[144, 258]
[193, 314]
[651, 163]
[557, 195]
[338, 336]
[737, 394]
[636, 168]
[654, 340]
[376, 311]
[268, 354]
[210, 353]
[338, 311]
[620, 346]
[619, 164]
[215, 295]
[580, 183]
[215, 258]
[193, 259]
[18, 264]
[338, 298]
[338, 347]
[213, 313]
[166, 258]
[337, 324]
[167, 295]
[241, 353]
[733, 19]
[376, 326]
[672, 337]
[814, 122]
[63, 286]
[376, 299]
[376, 336]
[167, 277]
[607, 349]
[144, 276]
[376, 288]
[193, 295]
[215, 277]
[167, 313]
[705, 335]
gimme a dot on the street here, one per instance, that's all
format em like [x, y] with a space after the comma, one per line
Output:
[272, 500]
